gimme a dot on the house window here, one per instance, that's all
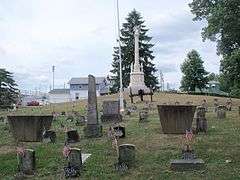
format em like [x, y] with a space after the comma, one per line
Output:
[76, 96]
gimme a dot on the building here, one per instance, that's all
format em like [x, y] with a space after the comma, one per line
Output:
[59, 95]
[79, 87]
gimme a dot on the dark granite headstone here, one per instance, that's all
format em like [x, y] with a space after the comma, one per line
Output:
[93, 128]
[111, 112]
[127, 154]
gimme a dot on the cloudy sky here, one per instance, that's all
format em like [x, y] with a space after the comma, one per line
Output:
[77, 37]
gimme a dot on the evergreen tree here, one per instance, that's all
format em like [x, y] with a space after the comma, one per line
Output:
[127, 46]
[8, 90]
[194, 75]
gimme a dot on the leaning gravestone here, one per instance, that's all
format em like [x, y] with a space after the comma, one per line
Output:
[111, 111]
[126, 155]
[26, 161]
[93, 128]
[201, 121]
[176, 119]
[221, 112]
[29, 128]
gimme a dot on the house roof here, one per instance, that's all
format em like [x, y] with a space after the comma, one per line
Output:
[213, 82]
[84, 80]
[60, 91]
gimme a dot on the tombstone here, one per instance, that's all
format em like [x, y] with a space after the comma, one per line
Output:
[204, 104]
[221, 112]
[201, 121]
[111, 111]
[29, 128]
[27, 161]
[176, 119]
[229, 105]
[143, 116]
[49, 136]
[72, 136]
[80, 120]
[215, 105]
[126, 154]
[119, 131]
[93, 128]
[189, 161]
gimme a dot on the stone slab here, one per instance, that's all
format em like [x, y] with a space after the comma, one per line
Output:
[186, 164]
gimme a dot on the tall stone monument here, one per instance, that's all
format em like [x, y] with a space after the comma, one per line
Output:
[137, 74]
[93, 128]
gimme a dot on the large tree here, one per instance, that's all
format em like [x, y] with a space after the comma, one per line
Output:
[223, 26]
[194, 74]
[133, 19]
[8, 90]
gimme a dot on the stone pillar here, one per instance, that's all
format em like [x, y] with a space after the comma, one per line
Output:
[127, 154]
[136, 62]
[221, 112]
[93, 128]
[27, 161]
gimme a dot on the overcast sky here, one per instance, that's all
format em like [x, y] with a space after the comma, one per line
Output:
[77, 37]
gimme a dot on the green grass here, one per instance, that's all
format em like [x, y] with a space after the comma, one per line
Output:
[154, 149]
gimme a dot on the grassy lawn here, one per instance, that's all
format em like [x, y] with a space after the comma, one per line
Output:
[154, 149]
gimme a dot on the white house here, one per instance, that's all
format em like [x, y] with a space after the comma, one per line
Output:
[79, 87]
[59, 95]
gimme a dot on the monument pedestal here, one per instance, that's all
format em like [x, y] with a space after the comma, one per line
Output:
[93, 130]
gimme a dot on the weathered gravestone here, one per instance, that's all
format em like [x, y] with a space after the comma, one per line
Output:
[201, 121]
[221, 112]
[126, 154]
[111, 111]
[72, 136]
[216, 104]
[49, 136]
[26, 161]
[229, 105]
[176, 119]
[29, 128]
[143, 116]
[93, 128]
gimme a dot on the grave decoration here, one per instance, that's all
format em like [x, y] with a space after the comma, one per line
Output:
[26, 161]
[189, 159]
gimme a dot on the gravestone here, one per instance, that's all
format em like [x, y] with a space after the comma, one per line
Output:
[26, 161]
[204, 104]
[229, 105]
[221, 112]
[29, 128]
[49, 136]
[189, 161]
[119, 131]
[216, 104]
[111, 111]
[176, 119]
[93, 128]
[201, 121]
[72, 136]
[143, 116]
[127, 154]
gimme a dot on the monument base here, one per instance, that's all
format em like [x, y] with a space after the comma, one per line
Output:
[187, 164]
[93, 130]
[111, 118]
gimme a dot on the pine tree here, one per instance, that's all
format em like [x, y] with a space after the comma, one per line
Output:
[127, 46]
[8, 90]
[194, 74]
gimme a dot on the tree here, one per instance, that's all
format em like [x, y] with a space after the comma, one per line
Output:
[194, 74]
[213, 77]
[223, 22]
[8, 90]
[127, 46]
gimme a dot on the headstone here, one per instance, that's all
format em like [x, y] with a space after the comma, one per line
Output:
[111, 111]
[221, 112]
[127, 154]
[188, 161]
[204, 104]
[93, 128]
[26, 161]
[119, 131]
[201, 121]
[229, 105]
[216, 104]
[72, 136]
[143, 116]
[49, 136]
[176, 119]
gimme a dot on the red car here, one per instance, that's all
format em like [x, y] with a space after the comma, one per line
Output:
[33, 103]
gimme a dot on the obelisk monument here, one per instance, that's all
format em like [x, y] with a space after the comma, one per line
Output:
[137, 74]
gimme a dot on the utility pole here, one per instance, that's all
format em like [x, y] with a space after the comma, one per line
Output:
[120, 62]
[53, 69]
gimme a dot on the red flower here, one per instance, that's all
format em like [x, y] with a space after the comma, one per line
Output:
[66, 151]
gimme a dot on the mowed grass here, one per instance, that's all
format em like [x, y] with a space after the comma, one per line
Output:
[154, 150]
